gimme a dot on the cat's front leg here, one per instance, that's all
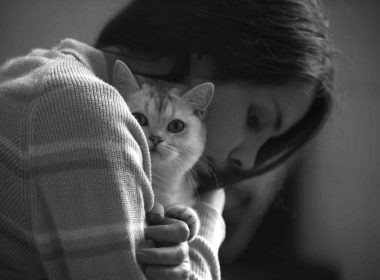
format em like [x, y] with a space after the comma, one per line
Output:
[186, 214]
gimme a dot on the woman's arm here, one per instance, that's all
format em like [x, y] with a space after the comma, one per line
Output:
[88, 186]
[204, 249]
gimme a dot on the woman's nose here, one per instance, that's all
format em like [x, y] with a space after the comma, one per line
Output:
[243, 158]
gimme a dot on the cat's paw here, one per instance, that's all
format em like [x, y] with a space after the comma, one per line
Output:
[186, 214]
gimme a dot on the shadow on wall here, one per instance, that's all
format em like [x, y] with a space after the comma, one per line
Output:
[340, 190]
[28, 24]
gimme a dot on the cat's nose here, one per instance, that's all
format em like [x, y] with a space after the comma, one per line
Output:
[155, 139]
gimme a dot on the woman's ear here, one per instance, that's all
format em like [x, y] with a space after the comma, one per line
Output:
[123, 79]
[199, 97]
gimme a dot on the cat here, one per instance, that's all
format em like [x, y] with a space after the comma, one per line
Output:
[172, 118]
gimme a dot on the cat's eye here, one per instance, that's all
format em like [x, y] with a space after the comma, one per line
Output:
[253, 119]
[176, 126]
[142, 120]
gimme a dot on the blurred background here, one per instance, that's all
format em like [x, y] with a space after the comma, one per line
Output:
[336, 182]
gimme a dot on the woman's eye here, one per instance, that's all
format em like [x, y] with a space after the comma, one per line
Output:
[176, 126]
[253, 119]
[142, 120]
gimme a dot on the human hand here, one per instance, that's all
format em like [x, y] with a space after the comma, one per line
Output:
[187, 215]
[170, 258]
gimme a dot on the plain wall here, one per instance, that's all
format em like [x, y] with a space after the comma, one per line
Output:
[340, 184]
[26, 24]
[340, 198]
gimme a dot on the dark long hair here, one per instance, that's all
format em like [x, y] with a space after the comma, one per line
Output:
[260, 42]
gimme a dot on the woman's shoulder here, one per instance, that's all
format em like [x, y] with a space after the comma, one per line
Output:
[71, 83]
[56, 80]
[30, 66]
[71, 66]
[70, 56]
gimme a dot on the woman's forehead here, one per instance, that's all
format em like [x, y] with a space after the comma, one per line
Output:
[291, 101]
[294, 100]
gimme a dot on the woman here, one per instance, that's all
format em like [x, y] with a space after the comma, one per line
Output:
[78, 172]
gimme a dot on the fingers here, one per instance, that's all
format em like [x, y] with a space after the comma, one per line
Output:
[156, 214]
[171, 231]
[166, 264]
[174, 255]
[181, 272]
[186, 214]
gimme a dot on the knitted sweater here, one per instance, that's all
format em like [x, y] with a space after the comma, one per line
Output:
[75, 179]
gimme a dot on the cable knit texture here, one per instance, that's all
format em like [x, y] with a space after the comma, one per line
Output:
[75, 179]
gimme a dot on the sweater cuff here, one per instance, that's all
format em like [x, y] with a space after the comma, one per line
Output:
[213, 227]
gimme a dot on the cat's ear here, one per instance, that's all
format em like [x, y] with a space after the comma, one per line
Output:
[199, 97]
[123, 79]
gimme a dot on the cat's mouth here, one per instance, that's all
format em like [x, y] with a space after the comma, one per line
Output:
[161, 153]
[154, 150]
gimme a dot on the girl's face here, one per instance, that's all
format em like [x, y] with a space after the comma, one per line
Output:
[241, 118]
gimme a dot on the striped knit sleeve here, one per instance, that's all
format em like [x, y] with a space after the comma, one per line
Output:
[88, 176]
[204, 248]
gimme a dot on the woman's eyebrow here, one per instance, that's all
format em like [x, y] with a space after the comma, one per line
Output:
[277, 125]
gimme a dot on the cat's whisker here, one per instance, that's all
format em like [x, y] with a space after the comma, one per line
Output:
[209, 168]
[179, 163]
[205, 165]
[157, 175]
[194, 182]
[170, 149]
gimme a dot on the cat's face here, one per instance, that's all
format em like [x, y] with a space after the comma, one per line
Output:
[174, 133]
[171, 117]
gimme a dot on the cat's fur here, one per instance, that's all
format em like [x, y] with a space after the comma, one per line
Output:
[175, 153]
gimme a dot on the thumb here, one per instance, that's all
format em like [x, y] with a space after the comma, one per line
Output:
[156, 214]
